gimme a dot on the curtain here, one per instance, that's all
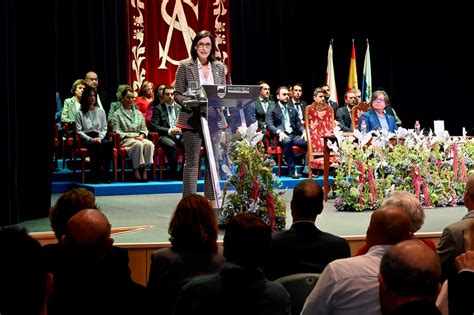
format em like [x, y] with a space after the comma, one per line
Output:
[160, 34]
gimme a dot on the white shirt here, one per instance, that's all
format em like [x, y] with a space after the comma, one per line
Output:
[348, 286]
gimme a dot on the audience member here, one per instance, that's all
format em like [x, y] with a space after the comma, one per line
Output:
[92, 80]
[262, 105]
[170, 136]
[158, 95]
[452, 244]
[409, 279]
[67, 205]
[283, 122]
[129, 123]
[350, 285]
[464, 281]
[296, 102]
[304, 248]
[94, 277]
[413, 208]
[117, 104]
[91, 126]
[194, 251]
[73, 104]
[145, 97]
[327, 97]
[377, 118]
[24, 283]
[201, 69]
[344, 113]
[240, 287]
[358, 96]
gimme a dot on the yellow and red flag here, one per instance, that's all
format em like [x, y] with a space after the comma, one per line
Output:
[352, 82]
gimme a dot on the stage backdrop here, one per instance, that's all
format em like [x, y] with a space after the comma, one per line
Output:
[160, 35]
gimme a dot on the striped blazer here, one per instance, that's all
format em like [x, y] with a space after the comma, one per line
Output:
[189, 117]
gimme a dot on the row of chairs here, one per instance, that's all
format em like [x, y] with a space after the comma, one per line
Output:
[319, 121]
[70, 148]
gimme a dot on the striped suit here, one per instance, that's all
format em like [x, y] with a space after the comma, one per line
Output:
[189, 121]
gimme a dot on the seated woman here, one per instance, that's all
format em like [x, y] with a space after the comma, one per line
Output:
[145, 97]
[377, 118]
[129, 123]
[193, 252]
[91, 126]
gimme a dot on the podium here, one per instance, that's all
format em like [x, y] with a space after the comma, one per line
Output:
[213, 99]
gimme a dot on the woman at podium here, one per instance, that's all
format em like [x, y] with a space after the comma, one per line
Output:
[201, 69]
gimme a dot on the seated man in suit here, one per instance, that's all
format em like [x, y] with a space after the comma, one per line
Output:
[304, 248]
[297, 102]
[344, 113]
[163, 121]
[283, 121]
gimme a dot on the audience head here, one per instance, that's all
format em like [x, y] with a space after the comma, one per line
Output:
[88, 234]
[408, 203]
[24, 282]
[68, 204]
[193, 226]
[282, 94]
[195, 45]
[120, 89]
[88, 99]
[247, 241]
[469, 193]
[146, 90]
[388, 226]
[410, 270]
[168, 96]
[319, 95]
[379, 99]
[92, 79]
[307, 200]
[78, 85]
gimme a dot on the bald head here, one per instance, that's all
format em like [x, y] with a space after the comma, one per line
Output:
[410, 268]
[388, 226]
[89, 228]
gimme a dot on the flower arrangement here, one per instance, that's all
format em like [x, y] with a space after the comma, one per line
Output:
[434, 168]
[253, 180]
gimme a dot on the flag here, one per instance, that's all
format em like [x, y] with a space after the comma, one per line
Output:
[330, 76]
[367, 77]
[352, 82]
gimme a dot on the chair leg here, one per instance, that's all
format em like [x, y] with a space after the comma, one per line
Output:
[123, 168]
[83, 169]
[115, 168]
[279, 165]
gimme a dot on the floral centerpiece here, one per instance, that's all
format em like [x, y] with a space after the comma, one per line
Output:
[434, 168]
[251, 175]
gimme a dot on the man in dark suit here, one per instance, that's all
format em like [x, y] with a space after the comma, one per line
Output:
[163, 121]
[283, 121]
[297, 102]
[304, 248]
[333, 104]
[452, 244]
[257, 110]
[344, 113]
[92, 79]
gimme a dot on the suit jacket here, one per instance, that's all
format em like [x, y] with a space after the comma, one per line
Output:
[373, 123]
[189, 117]
[333, 104]
[169, 271]
[303, 248]
[234, 290]
[451, 244]
[160, 120]
[256, 112]
[275, 120]
[302, 106]
[344, 117]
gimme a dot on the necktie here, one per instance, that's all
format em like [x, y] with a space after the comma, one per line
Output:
[265, 105]
[171, 116]
[286, 117]
[299, 110]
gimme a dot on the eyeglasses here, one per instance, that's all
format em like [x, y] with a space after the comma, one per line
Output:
[201, 45]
